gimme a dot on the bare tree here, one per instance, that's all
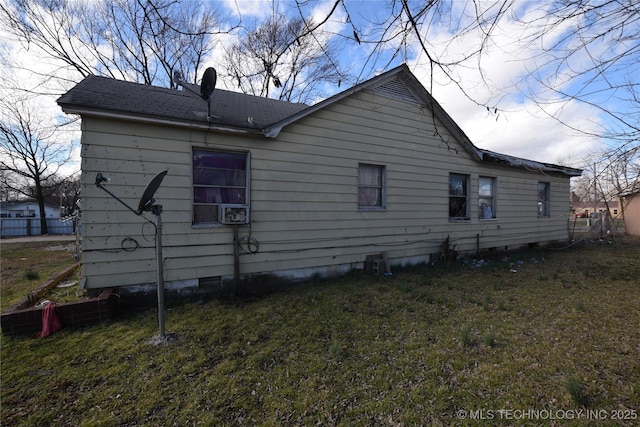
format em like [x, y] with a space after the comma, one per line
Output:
[582, 51]
[619, 173]
[406, 30]
[66, 194]
[30, 155]
[588, 51]
[275, 59]
[135, 40]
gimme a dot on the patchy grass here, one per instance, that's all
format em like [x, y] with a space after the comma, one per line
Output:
[489, 339]
[356, 351]
[25, 266]
[576, 391]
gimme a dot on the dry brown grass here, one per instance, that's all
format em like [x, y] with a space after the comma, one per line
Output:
[25, 266]
[429, 346]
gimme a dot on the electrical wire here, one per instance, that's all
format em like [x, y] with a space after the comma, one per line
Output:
[155, 230]
[251, 243]
[129, 244]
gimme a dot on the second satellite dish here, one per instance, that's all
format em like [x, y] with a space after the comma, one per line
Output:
[208, 83]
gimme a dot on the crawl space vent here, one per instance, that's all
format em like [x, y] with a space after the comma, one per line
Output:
[396, 89]
[210, 282]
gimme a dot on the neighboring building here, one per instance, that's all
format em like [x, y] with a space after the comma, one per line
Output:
[631, 204]
[26, 209]
[22, 218]
[587, 209]
[380, 167]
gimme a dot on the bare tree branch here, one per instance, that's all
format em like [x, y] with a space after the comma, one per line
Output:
[139, 40]
[587, 51]
[272, 59]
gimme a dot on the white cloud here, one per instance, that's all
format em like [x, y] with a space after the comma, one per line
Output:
[520, 127]
[337, 21]
[249, 8]
[42, 98]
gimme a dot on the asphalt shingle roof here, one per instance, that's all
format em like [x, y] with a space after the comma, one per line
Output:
[233, 111]
[228, 109]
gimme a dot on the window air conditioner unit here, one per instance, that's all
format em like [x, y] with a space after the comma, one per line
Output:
[234, 214]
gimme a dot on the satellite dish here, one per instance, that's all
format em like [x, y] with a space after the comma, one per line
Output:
[208, 83]
[147, 204]
[146, 201]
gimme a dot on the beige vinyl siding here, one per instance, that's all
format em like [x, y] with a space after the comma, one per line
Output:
[304, 195]
[631, 205]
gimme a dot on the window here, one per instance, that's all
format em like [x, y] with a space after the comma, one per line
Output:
[486, 197]
[458, 196]
[218, 178]
[543, 199]
[371, 187]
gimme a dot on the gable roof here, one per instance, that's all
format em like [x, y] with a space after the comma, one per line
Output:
[237, 112]
[399, 83]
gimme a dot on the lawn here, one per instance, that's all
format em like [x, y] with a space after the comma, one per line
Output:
[25, 266]
[542, 337]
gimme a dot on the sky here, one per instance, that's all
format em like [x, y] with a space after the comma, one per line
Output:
[513, 125]
[516, 124]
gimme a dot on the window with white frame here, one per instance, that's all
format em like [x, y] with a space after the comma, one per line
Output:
[458, 196]
[486, 197]
[543, 199]
[219, 177]
[371, 187]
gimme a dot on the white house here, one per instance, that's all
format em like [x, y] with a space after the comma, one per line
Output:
[310, 190]
[22, 218]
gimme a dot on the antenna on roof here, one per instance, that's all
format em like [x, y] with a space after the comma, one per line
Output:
[177, 78]
[207, 85]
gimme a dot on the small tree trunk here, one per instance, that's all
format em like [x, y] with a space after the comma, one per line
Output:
[43, 214]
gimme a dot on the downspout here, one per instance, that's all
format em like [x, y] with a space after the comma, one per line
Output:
[273, 132]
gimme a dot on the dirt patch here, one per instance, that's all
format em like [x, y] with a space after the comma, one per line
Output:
[65, 247]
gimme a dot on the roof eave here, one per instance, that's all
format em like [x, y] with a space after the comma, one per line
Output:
[72, 109]
[530, 165]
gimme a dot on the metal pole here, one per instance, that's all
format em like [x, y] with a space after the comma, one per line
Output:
[76, 222]
[157, 210]
[236, 259]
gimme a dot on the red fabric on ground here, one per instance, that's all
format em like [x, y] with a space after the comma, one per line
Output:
[50, 321]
